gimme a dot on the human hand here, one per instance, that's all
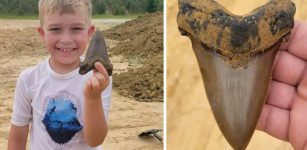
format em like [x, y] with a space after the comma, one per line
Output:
[284, 115]
[97, 83]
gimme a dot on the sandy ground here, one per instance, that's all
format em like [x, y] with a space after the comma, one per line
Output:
[190, 122]
[21, 48]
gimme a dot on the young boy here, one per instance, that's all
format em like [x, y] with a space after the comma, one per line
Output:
[65, 109]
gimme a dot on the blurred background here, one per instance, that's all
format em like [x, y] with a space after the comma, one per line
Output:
[23, 9]
[190, 122]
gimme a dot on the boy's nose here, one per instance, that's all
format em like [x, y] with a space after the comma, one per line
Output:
[66, 37]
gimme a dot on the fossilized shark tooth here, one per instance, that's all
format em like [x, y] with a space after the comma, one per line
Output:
[235, 56]
[97, 51]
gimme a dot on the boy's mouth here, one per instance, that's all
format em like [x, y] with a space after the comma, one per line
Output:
[66, 49]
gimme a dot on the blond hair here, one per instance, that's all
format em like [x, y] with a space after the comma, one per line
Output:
[46, 7]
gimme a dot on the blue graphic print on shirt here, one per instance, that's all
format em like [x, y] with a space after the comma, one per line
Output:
[61, 121]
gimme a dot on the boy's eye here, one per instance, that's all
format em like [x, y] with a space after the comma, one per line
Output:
[54, 29]
[77, 28]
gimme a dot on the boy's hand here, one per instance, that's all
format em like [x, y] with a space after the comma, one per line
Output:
[97, 83]
[95, 125]
[284, 114]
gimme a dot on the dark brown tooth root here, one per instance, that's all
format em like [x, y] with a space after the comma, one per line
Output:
[219, 29]
[235, 56]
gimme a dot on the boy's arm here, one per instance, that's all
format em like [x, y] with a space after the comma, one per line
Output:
[22, 114]
[95, 125]
[18, 137]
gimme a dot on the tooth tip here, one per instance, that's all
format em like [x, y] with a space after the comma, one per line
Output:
[239, 140]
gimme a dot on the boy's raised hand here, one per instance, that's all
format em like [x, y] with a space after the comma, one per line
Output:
[97, 83]
[95, 125]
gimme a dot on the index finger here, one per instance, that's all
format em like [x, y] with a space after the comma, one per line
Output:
[100, 68]
[297, 40]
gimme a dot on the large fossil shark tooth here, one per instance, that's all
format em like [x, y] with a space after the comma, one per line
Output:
[96, 52]
[235, 56]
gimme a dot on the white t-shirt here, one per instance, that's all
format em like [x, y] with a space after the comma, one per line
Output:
[53, 104]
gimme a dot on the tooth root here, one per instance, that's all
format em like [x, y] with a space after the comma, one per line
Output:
[236, 96]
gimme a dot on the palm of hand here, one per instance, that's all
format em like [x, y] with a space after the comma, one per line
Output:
[284, 115]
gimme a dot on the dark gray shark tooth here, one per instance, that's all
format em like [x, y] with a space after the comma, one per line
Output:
[96, 52]
[235, 56]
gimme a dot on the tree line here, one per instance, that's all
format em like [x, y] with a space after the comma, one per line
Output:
[115, 7]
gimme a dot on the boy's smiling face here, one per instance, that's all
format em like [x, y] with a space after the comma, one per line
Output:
[65, 36]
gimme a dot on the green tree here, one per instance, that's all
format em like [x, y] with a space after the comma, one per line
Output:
[118, 10]
[116, 7]
[152, 6]
[160, 5]
[101, 7]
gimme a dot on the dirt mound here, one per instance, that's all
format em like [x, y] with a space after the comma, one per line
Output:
[147, 44]
[142, 41]
[144, 83]
[12, 44]
[136, 27]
